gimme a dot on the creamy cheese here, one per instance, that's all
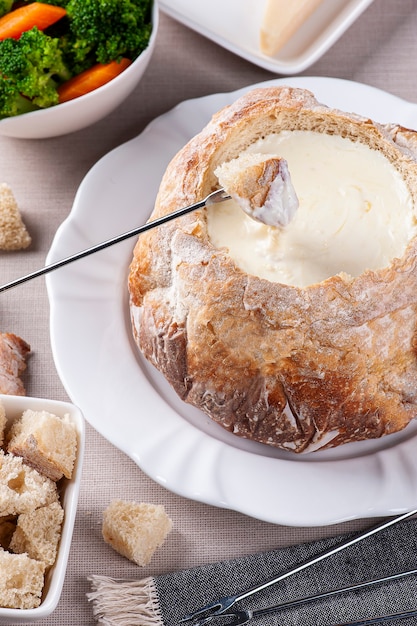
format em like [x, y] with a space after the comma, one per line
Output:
[355, 213]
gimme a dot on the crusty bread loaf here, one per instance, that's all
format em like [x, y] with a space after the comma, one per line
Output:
[294, 367]
[135, 530]
[21, 581]
[38, 533]
[46, 442]
[13, 232]
[22, 489]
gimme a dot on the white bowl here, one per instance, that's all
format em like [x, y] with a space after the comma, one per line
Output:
[54, 579]
[86, 110]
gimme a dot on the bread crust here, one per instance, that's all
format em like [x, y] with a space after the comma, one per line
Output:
[295, 368]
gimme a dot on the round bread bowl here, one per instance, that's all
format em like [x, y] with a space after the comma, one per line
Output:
[296, 368]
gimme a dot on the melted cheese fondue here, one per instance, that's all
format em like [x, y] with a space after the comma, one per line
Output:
[355, 213]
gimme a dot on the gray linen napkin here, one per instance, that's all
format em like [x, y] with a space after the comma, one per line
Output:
[164, 600]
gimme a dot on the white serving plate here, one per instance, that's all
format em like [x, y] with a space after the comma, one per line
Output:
[131, 405]
[235, 25]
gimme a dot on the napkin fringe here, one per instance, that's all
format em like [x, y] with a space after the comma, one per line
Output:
[125, 603]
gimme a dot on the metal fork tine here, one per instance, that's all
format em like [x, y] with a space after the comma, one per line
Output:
[235, 618]
[215, 608]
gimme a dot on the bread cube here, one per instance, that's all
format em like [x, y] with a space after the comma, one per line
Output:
[46, 442]
[13, 232]
[135, 530]
[22, 489]
[21, 581]
[38, 533]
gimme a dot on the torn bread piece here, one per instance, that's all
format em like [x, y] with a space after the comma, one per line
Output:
[13, 233]
[261, 185]
[135, 530]
[46, 442]
[21, 581]
[22, 489]
[37, 533]
[13, 353]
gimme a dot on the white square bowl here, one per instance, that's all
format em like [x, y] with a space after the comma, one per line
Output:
[68, 489]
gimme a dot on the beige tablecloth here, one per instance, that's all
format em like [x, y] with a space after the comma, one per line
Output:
[380, 49]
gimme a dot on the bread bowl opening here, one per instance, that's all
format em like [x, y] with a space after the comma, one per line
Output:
[355, 213]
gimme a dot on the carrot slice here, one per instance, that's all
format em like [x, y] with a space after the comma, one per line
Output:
[13, 24]
[91, 79]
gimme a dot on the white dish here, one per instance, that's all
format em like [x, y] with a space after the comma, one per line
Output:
[235, 25]
[129, 403]
[69, 491]
[81, 112]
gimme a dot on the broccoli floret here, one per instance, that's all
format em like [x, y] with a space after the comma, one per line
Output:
[101, 31]
[33, 66]
[11, 101]
[5, 6]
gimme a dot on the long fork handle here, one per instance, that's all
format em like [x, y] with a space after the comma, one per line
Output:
[333, 592]
[327, 554]
[214, 197]
[381, 618]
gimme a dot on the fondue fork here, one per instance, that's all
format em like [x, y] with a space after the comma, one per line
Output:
[213, 198]
[210, 611]
[240, 617]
